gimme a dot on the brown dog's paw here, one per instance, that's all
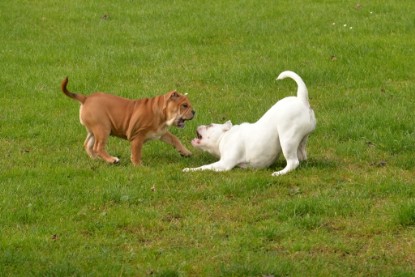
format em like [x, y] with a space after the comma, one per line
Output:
[185, 153]
[136, 163]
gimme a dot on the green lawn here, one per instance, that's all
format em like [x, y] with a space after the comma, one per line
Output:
[348, 211]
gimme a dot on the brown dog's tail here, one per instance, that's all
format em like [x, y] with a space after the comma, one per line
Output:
[81, 98]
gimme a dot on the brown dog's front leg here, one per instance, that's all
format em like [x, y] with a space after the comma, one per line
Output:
[136, 146]
[173, 140]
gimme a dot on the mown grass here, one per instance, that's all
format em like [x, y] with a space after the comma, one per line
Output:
[347, 211]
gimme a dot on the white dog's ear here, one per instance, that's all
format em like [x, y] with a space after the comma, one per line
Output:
[227, 125]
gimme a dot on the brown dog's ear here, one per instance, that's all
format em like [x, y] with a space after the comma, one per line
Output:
[172, 95]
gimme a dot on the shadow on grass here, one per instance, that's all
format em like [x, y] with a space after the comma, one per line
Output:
[310, 163]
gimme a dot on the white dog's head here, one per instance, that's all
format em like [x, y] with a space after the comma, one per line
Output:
[209, 136]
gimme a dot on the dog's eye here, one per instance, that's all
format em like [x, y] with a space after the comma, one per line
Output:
[185, 106]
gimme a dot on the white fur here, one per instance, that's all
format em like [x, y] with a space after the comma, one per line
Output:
[285, 127]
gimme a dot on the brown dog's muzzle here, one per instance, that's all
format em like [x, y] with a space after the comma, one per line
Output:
[187, 115]
[187, 112]
[193, 114]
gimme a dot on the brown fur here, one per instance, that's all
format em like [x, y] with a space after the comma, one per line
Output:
[135, 120]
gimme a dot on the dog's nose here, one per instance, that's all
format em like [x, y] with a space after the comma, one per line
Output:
[193, 112]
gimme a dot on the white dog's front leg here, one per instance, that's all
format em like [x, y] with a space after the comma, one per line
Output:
[218, 166]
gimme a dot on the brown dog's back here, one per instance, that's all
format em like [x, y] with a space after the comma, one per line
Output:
[117, 114]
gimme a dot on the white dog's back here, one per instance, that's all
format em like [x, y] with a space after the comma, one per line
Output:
[283, 128]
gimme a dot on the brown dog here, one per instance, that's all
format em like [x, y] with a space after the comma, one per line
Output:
[135, 120]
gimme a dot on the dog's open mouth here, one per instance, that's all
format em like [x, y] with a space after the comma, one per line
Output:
[197, 140]
[180, 123]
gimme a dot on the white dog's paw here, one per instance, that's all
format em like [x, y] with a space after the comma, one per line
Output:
[278, 173]
[192, 169]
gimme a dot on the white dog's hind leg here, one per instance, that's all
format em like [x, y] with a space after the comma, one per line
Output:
[302, 153]
[289, 149]
[291, 165]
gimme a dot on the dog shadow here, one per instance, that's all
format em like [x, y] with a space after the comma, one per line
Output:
[323, 164]
[309, 163]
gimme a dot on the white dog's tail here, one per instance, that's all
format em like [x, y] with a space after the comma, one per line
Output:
[302, 91]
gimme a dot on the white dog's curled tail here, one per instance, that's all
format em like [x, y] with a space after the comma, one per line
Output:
[302, 91]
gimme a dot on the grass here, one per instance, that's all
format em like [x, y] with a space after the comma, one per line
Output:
[347, 211]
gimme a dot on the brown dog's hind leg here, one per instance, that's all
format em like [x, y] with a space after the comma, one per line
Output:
[89, 144]
[99, 147]
[175, 142]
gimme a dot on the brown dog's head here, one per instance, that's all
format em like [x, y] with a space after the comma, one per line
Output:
[178, 109]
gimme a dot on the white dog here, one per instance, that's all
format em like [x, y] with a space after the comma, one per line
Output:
[286, 126]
